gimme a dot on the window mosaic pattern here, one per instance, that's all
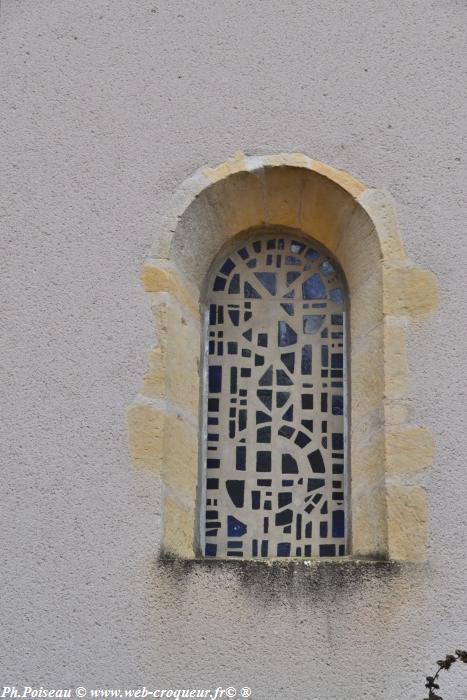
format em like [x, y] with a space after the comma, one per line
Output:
[274, 403]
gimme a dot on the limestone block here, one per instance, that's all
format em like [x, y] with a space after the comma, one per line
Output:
[380, 207]
[180, 458]
[369, 533]
[174, 364]
[395, 360]
[358, 250]
[367, 381]
[340, 177]
[146, 435]
[367, 460]
[408, 449]
[283, 191]
[409, 291]
[157, 278]
[325, 210]
[366, 307]
[234, 164]
[178, 532]
[239, 203]
[396, 412]
[407, 523]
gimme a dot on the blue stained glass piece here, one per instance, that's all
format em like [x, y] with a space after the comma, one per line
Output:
[271, 244]
[312, 323]
[311, 254]
[266, 379]
[265, 396]
[337, 319]
[291, 277]
[338, 523]
[219, 284]
[250, 292]
[314, 288]
[337, 441]
[285, 334]
[296, 247]
[234, 316]
[292, 260]
[289, 464]
[290, 295]
[326, 268]
[327, 550]
[306, 359]
[240, 457]
[337, 359]
[281, 398]
[337, 405]
[289, 308]
[283, 549]
[215, 379]
[288, 415]
[337, 295]
[212, 314]
[251, 263]
[227, 267]
[243, 253]
[262, 417]
[268, 280]
[257, 246]
[235, 528]
[210, 549]
[236, 490]
[316, 461]
[234, 286]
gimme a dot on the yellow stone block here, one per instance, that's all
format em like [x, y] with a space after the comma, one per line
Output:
[409, 291]
[180, 458]
[380, 207]
[146, 435]
[325, 210]
[283, 190]
[369, 533]
[340, 177]
[238, 203]
[234, 164]
[359, 250]
[366, 306]
[367, 459]
[367, 381]
[159, 279]
[408, 449]
[396, 368]
[407, 523]
[174, 364]
[178, 534]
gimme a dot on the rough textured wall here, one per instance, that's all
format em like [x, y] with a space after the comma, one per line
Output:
[106, 107]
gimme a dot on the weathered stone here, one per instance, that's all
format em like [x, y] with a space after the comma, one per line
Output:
[408, 449]
[407, 522]
[180, 458]
[174, 363]
[409, 291]
[146, 435]
[161, 279]
[178, 537]
[395, 359]
[380, 208]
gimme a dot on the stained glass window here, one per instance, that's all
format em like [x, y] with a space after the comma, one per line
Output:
[274, 403]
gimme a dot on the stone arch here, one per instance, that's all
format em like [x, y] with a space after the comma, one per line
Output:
[359, 226]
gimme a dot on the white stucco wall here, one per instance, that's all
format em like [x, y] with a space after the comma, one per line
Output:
[106, 107]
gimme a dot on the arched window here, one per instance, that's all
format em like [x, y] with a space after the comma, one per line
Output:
[275, 388]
